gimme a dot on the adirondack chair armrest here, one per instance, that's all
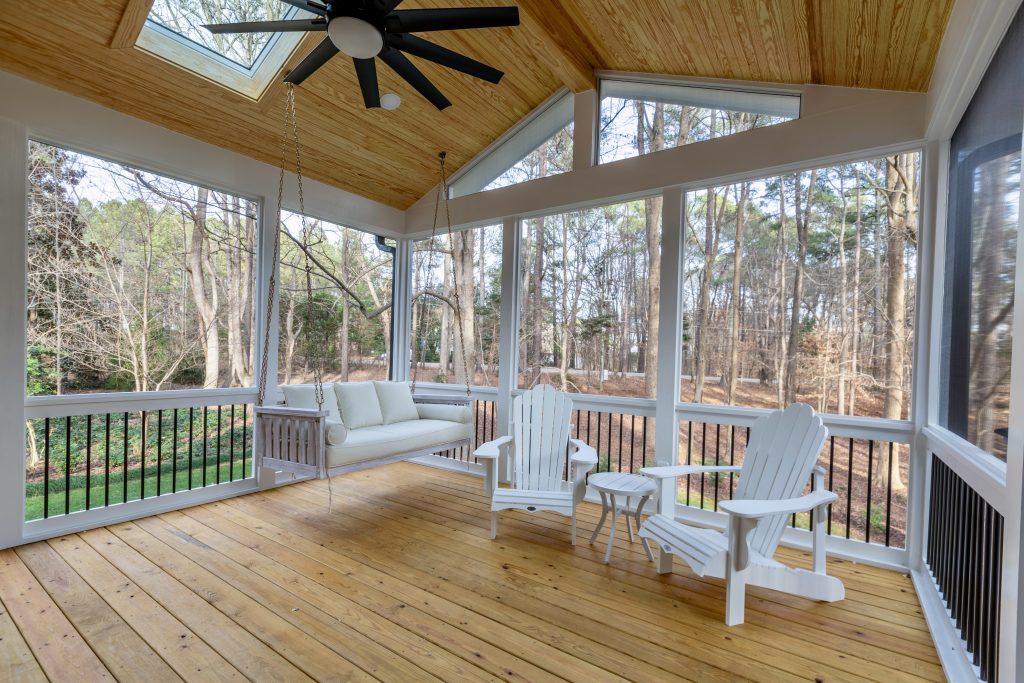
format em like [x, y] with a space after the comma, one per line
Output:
[492, 449]
[490, 453]
[583, 455]
[756, 509]
[675, 471]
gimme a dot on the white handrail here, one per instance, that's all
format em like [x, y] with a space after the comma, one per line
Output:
[70, 405]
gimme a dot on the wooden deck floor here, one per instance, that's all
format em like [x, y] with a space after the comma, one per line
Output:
[400, 583]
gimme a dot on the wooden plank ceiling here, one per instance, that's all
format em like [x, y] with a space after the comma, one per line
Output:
[391, 156]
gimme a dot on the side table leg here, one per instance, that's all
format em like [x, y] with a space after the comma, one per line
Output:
[611, 532]
[604, 513]
[629, 527]
[639, 510]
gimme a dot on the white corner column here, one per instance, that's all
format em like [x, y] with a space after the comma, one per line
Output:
[666, 429]
[13, 222]
[401, 325]
[508, 331]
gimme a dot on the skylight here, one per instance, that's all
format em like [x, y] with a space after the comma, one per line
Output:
[245, 62]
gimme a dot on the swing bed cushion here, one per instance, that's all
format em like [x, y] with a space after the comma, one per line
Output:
[382, 433]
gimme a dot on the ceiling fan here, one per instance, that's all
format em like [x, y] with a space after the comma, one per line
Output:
[364, 29]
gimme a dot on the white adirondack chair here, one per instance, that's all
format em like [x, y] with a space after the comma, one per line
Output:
[537, 450]
[778, 461]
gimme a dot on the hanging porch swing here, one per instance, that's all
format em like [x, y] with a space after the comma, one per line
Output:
[304, 437]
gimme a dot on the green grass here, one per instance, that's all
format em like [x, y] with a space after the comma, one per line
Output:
[76, 497]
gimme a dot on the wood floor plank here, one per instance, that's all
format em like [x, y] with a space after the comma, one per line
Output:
[60, 650]
[337, 570]
[186, 653]
[245, 652]
[17, 663]
[119, 647]
[399, 622]
[311, 655]
[369, 494]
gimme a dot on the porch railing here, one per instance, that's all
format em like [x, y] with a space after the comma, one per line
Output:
[89, 452]
[964, 555]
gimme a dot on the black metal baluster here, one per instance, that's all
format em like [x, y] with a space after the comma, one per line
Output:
[732, 458]
[598, 439]
[67, 465]
[88, 461]
[245, 434]
[46, 467]
[718, 443]
[831, 474]
[849, 488]
[703, 458]
[620, 436]
[106, 463]
[219, 428]
[159, 447]
[644, 427]
[689, 455]
[888, 498]
[124, 462]
[191, 438]
[174, 453]
[871, 459]
[206, 438]
[142, 458]
[231, 446]
[632, 441]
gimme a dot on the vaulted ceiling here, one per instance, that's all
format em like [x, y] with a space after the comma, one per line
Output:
[390, 156]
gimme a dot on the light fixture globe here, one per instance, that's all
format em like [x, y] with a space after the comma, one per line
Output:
[390, 101]
[355, 37]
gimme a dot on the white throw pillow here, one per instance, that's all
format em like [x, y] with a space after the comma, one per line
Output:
[304, 396]
[359, 405]
[396, 404]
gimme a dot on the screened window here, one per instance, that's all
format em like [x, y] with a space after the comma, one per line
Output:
[642, 117]
[342, 322]
[983, 229]
[802, 288]
[541, 147]
[589, 299]
[457, 284]
[136, 281]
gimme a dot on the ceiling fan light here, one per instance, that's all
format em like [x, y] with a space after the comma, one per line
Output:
[390, 101]
[355, 37]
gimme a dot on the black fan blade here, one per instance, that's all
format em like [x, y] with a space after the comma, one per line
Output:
[415, 20]
[308, 5]
[268, 26]
[366, 70]
[404, 68]
[385, 6]
[317, 57]
[415, 45]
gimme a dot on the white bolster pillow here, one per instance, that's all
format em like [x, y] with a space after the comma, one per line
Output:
[336, 432]
[444, 411]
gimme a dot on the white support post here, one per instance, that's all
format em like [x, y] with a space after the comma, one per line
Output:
[401, 343]
[266, 264]
[929, 289]
[666, 430]
[585, 111]
[13, 222]
[508, 344]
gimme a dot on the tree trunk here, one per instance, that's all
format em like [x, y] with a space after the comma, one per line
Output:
[463, 259]
[781, 350]
[734, 318]
[202, 280]
[802, 218]
[346, 311]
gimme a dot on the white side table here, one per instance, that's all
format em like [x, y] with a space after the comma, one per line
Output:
[612, 484]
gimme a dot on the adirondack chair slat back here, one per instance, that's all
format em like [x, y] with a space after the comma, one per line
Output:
[540, 429]
[777, 464]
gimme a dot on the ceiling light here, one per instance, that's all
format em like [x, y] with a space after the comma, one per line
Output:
[390, 100]
[355, 37]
